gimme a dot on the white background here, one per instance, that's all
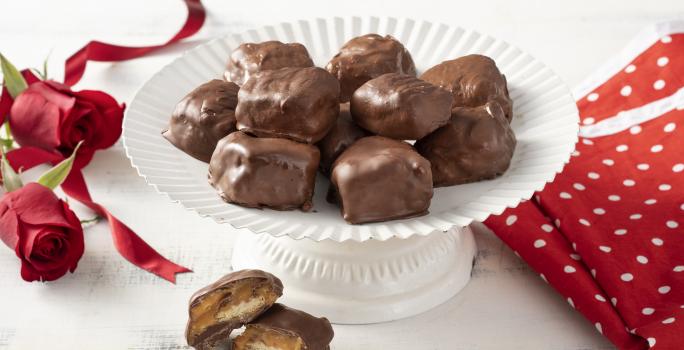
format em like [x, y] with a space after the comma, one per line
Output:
[109, 304]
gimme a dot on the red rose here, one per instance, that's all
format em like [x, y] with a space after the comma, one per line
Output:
[49, 115]
[45, 234]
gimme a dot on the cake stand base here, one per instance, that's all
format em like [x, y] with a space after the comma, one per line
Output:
[363, 282]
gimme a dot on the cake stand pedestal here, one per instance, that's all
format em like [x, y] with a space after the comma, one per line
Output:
[363, 282]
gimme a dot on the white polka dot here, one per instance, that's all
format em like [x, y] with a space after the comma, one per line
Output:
[571, 303]
[547, 228]
[584, 222]
[668, 320]
[650, 201]
[629, 182]
[665, 187]
[539, 243]
[626, 90]
[642, 259]
[647, 311]
[664, 289]
[574, 246]
[592, 97]
[605, 248]
[679, 268]
[600, 298]
[621, 148]
[593, 273]
[635, 130]
[598, 327]
[636, 216]
[608, 162]
[614, 198]
[587, 142]
[592, 175]
[613, 301]
[659, 84]
[569, 269]
[599, 211]
[620, 232]
[511, 219]
[681, 206]
[666, 39]
[677, 168]
[565, 195]
[630, 69]
[578, 186]
[669, 127]
[672, 224]
[657, 241]
[651, 342]
[627, 277]
[588, 121]
[656, 148]
[643, 166]
[574, 256]
[662, 61]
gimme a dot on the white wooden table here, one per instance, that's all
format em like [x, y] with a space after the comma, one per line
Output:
[109, 304]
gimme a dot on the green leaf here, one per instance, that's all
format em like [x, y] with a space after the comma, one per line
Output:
[55, 176]
[14, 81]
[10, 179]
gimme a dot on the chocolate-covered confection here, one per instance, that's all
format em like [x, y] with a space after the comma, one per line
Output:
[203, 117]
[229, 303]
[473, 80]
[400, 106]
[284, 328]
[250, 58]
[477, 144]
[366, 57]
[264, 172]
[295, 103]
[342, 135]
[378, 179]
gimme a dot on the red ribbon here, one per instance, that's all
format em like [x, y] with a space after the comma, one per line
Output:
[127, 242]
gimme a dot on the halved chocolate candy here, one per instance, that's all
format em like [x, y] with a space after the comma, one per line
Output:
[477, 144]
[264, 172]
[378, 179]
[227, 304]
[203, 117]
[250, 58]
[283, 328]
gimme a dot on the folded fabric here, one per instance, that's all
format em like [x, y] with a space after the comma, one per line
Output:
[608, 233]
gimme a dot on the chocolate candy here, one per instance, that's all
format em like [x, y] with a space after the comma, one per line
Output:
[283, 328]
[366, 57]
[477, 144]
[400, 106]
[342, 135]
[264, 172]
[378, 179]
[229, 303]
[202, 118]
[250, 58]
[296, 103]
[473, 80]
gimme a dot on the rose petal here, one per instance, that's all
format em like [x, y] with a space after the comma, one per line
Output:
[9, 225]
[37, 205]
[34, 121]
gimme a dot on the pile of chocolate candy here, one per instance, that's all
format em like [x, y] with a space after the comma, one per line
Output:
[248, 298]
[276, 119]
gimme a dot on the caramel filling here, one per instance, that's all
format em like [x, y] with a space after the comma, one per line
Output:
[258, 337]
[233, 304]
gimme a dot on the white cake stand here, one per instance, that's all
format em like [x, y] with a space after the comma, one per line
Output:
[372, 272]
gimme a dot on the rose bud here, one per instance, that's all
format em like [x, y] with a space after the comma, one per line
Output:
[49, 115]
[44, 233]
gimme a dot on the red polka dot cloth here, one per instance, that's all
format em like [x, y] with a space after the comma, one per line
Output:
[608, 233]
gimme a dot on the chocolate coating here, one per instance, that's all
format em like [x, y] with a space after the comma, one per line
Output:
[400, 106]
[342, 135]
[477, 144]
[264, 172]
[317, 333]
[366, 57]
[378, 179]
[250, 58]
[203, 117]
[218, 331]
[473, 80]
[295, 103]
